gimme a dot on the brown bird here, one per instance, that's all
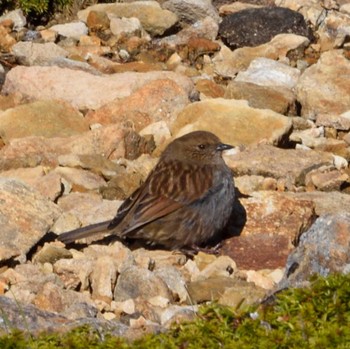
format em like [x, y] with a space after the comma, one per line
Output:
[185, 201]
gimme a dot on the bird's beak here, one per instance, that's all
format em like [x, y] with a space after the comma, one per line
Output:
[222, 147]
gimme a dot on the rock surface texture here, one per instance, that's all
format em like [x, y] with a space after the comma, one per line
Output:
[87, 107]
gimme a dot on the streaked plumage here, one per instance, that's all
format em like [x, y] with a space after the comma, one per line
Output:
[185, 201]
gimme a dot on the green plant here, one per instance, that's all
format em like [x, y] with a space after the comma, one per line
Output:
[35, 6]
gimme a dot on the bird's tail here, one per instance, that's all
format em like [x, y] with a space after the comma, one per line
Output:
[84, 232]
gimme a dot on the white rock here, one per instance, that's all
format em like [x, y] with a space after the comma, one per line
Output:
[129, 26]
[71, 30]
[17, 17]
[267, 72]
[340, 162]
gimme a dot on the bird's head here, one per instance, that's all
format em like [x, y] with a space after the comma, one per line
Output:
[199, 146]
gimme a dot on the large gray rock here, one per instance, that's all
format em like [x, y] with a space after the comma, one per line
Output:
[35, 320]
[30, 53]
[323, 249]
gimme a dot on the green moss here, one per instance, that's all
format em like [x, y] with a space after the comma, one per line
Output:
[35, 6]
[317, 317]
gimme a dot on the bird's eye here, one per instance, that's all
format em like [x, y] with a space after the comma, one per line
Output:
[201, 146]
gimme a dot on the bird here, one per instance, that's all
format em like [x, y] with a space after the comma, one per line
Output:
[185, 202]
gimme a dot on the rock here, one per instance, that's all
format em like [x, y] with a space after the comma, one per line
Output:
[89, 208]
[159, 130]
[267, 72]
[329, 73]
[177, 314]
[30, 176]
[82, 90]
[339, 122]
[97, 21]
[323, 249]
[333, 30]
[268, 161]
[106, 141]
[242, 295]
[209, 88]
[194, 49]
[209, 289]
[8, 101]
[274, 223]
[74, 273]
[124, 26]
[328, 180]
[309, 137]
[71, 30]
[222, 266]
[206, 28]
[78, 309]
[37, 320]
[52, 297]
[136, 282]
[26, 217]
[255, 26]
[153, 18]
[281, 100]
[103, 278]
[228, 63]
[30, 53]
[190, 11]
[158, 258]
[50, 186]
[22, 288]
[126, 307]
[120, 255]
[220, 115]
[48, 35]
[158, 100]
[17, 17]
[249, 184]
[345, 8]
[95, 163]
[42, 118]
[51, 253]
[6, 40]
[237, 6]
[175, 282]
[259, 279]
[121, 186]
[326, 203]
[136, 145]
[81, 180]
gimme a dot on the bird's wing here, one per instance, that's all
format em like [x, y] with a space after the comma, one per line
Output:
[169, 187]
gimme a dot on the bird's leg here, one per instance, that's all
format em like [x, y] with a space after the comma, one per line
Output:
[209, 250]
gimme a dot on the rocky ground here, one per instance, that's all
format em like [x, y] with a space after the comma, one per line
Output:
[86, 107]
